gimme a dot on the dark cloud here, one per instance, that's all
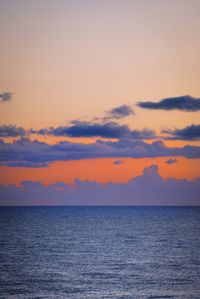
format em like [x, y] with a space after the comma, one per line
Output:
[171, 161]
[118, 162]
[27, 164]
[188, 133]
[184, 103]
[103, 130]
[6, 96]
[143, 134]
[119, 112]
[24, 151]
[88, 129]
[147, 189]
[11, 131]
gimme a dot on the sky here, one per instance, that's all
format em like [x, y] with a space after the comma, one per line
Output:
[99, 102]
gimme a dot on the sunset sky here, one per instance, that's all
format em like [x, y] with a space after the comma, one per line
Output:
[100, 102]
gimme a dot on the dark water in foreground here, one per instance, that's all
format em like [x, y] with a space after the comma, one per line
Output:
[100, 252]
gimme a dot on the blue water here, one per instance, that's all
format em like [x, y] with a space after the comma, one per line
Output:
[100, 252]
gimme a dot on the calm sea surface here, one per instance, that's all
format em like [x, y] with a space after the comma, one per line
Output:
[100, 252]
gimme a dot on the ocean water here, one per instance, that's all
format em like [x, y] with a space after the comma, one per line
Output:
[100, 252]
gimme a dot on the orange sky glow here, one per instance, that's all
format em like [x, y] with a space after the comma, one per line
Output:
[76, 62]
[100, 170]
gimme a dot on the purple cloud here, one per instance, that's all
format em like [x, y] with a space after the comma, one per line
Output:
[118, 162]
[6, 96]
[95, 129]
[184, 103]
[11, 131]
[25, 152]
[148, 189]
[171, 161]
[119, 112]
[191, 133]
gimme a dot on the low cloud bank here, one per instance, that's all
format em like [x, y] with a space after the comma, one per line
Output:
[148, 189]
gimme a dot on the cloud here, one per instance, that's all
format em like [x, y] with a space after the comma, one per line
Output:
[11, 131]
[27, 164]
[6, 96]
[104, 130]
[34, 153]
[184, 103]
[104, 127]
[118, 162]
[88, 129]
[143, 134]
[171, 161]
[31, 184]
[25, 153]
[119, 112]
[148, 189]
[188, 133]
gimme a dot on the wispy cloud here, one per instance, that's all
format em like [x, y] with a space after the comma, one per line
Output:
[6, 96]
[26, 164]
[184, 103]
[119, 112]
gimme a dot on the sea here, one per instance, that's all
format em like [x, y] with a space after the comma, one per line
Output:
[100, 252]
